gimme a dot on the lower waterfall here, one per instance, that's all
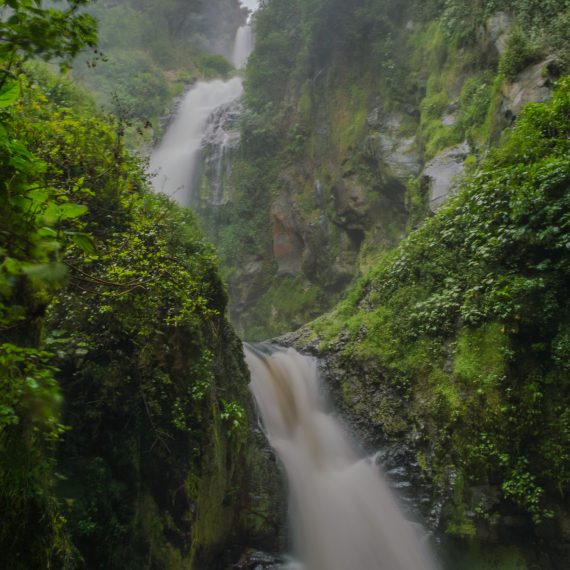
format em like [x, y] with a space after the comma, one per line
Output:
[343, 515]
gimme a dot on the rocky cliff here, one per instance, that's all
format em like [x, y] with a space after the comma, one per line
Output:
[350, 139]
[453, 351]
[367, 122]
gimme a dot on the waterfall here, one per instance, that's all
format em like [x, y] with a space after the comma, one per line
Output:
[175, 162]
[243, 46]
[176, 159]
[343, 514]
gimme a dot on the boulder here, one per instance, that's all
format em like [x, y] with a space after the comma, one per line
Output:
[351, 204]
[397, 152]
[443, 174]
[532, 85]
[497, 28]
[246, 284]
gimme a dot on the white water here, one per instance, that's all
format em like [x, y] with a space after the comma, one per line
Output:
[252, 5]
[175, 161]
[343, 514]
[243, 47]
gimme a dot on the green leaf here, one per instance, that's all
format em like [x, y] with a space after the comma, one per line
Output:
[84, 242]
[12, 266]
[47, 232]
[71, 211]
[58, 212]
[9, 94]
[38, 197]
[48, 272]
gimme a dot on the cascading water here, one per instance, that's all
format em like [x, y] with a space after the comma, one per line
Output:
[243, 46]
[176, 159]
[175, 162]
[343, 514]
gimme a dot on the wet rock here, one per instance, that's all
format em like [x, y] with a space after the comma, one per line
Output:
[496, 31]
[220, 140]
[443, 174]
[267, 514]
[485, 496]
[396, 151]
[246, 286]
[351, 204]
[450, 116]
[288, 229]
[255, 560]
[533, 85]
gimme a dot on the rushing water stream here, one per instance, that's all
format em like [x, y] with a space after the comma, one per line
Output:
[343, 514]
[176, 160]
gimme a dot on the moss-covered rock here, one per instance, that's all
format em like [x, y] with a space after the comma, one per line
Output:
[449, 348]
[347, 139]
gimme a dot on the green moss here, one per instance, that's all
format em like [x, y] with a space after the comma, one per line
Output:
[519, 53]
[305, 102]
[459, 319]
[491, 558]
[480, 357]
[287, 303]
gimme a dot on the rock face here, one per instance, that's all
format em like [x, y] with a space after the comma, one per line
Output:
[256, 560]
[351, 204]
[532, 85]
[288, 231]
[267, 516]
[221, 138]
[380, 417]
[375, 413]
[354, 159]
[443, 174]
[397, 152]
[495, 32]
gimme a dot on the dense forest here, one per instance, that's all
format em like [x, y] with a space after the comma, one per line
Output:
[123, 403]
[395, 197]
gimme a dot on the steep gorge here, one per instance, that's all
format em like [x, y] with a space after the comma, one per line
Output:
[450, 351]
[350, 139]
[127, 435]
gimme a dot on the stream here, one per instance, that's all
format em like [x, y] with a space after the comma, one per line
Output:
[343, 515]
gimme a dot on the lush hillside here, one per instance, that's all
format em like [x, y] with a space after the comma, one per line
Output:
[123, 400]
[457, 344]
[149, 51]
[359, 120]
[410, 158]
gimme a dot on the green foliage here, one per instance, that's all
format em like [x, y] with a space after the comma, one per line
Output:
[28, 28]
[152, 50]
[234, 415]
[291, 300]
[214, 65]
[133, 80]
[133, 357]
[37, 220]
[538, 19]
[467, 320]
[519, 53]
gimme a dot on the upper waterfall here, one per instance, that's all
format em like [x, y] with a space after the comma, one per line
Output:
[176, 159]
[243, 46]
[344, 516]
